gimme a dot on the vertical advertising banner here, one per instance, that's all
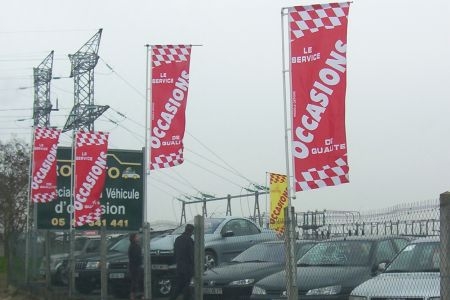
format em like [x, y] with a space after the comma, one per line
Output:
[43, 177]
[169, 90]
[91, 168]
[318, 46]
[278, 201]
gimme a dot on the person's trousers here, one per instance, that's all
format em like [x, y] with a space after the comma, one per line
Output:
[182, 282]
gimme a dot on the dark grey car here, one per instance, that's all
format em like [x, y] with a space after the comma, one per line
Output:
[235, 280]
[333, 268]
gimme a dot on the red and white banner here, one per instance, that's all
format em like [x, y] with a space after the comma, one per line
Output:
[170, 82]
[318, 40]
[90, 174]
[43, 178]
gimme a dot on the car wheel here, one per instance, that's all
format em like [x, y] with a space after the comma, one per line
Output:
[84, 287]
[163, 287]
[210, 259]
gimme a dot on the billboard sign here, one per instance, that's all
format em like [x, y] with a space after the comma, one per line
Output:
[121, 200]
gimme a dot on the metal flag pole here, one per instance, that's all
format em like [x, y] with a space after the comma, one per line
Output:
[291, 267]
[145, 223]
[27, 241]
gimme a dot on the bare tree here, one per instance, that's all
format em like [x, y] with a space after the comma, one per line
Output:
[14, 177]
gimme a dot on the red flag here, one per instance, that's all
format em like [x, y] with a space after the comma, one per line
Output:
[43, 178]
[318, 35]
[91, 167]
[170, 81]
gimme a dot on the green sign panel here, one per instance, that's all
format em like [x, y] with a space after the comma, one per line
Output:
[121, 200]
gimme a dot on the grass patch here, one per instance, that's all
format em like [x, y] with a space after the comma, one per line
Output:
[2, 264]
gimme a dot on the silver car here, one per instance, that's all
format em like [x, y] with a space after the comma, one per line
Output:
[413, 274]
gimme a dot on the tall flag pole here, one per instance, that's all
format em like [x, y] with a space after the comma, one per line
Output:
[318, 63]
[317, 68]
[91, 150]
[169, 91]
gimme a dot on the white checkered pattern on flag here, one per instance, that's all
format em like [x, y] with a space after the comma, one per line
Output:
[327, 176]
[169, 53]
[44, 197]
[91, 138]
[311, 18]
[174, 159]
[92, 217]
[43, 133]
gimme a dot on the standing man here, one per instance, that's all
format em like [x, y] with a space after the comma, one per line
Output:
[184, 256]
[134, 265]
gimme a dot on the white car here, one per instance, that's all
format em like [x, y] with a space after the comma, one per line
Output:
[413, 274]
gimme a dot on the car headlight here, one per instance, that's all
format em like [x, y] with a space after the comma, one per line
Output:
[92, 265]
[357, 298]
[328, 290]
[258, 291]
[242, 282]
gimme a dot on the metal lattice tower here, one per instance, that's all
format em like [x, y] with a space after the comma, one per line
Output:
[84, 111]
[42, 105]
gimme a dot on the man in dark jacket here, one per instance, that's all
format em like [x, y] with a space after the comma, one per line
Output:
[184, 256]
[134, 265]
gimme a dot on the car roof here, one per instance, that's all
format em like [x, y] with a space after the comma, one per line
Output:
[296, 241]
[366, 238]
[427, 239]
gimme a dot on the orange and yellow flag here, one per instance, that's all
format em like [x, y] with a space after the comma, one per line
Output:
[278, 201]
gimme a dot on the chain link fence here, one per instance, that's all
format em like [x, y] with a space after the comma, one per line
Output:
[420, 271]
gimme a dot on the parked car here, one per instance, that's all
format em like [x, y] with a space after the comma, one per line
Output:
[413, 274]
[87, 267]
[224, 239]
[332, 269]
[60, 247]
[235, 280]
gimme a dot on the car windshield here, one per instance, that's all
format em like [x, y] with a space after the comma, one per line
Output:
[121, 246]
[79, 243]
[273, 252]
[417, 257]
[338, 253]
[270, 252]
[211, 225]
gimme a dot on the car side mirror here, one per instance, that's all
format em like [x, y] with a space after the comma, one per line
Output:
[380, 268]
[227, 233]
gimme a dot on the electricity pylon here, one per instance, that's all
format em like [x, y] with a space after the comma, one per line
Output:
[42, 105]
[84, 111]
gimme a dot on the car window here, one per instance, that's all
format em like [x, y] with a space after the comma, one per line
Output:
[252, 228]
[420, 257]
[236, 226]
[340, 253]
[400, 243]
[121, 246]
[79, 243]
[93, 246]
[385, 251]
[211, 225]
[303, 248]
[271, 252]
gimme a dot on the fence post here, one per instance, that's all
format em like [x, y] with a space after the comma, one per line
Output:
[103, 262]
[445, 244]
[199, 255]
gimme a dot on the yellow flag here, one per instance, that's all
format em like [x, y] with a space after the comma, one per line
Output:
[278, 201]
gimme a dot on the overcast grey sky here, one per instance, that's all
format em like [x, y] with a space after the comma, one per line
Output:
[398, 133]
